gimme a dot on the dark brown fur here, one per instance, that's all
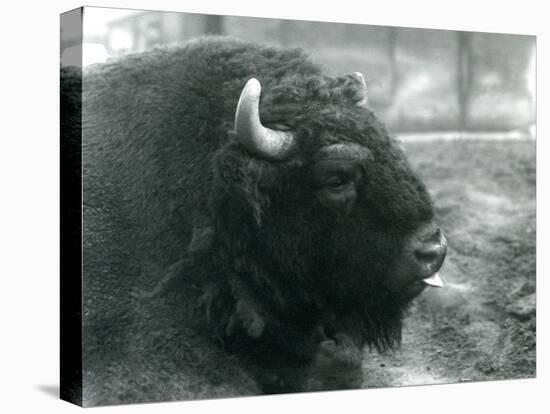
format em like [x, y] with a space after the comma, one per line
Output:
[257, 265]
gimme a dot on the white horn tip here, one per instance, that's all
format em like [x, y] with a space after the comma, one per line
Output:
[253, 88]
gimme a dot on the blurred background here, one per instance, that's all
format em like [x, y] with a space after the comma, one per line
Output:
[419, 80]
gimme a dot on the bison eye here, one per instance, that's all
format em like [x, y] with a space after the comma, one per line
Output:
[338, 194]
[336, 183]
[340, 180]
[334, 177]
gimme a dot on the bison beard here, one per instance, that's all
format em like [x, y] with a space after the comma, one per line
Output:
[292, 256]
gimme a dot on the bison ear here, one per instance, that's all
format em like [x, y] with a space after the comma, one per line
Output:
[361, 96]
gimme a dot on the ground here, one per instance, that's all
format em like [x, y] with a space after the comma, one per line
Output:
[481, 325]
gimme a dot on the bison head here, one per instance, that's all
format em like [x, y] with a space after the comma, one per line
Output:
[319, 213]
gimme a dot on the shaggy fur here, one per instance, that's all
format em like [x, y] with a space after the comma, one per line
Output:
[264, 288]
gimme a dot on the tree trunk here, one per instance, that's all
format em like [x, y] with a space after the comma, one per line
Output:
[464, 77]
[392, 57]
[213, 25]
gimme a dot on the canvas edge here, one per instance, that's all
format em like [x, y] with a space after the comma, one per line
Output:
[71, 217]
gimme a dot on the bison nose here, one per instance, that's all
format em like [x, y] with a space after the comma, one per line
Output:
[431, 252]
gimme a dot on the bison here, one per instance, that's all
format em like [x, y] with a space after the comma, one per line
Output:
[247, 219]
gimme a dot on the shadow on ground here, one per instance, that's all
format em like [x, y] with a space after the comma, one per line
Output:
[51, 390]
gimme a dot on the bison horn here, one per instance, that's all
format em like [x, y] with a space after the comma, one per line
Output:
[256, 138]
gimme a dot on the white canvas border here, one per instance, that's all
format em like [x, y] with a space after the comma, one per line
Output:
[29, 208]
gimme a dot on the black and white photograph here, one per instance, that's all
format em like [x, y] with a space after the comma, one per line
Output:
[240, 207]
[324, 207]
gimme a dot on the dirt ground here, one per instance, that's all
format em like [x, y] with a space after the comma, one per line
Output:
[481, 325]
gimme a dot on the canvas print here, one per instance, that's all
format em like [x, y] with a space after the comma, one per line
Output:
[262, 206]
